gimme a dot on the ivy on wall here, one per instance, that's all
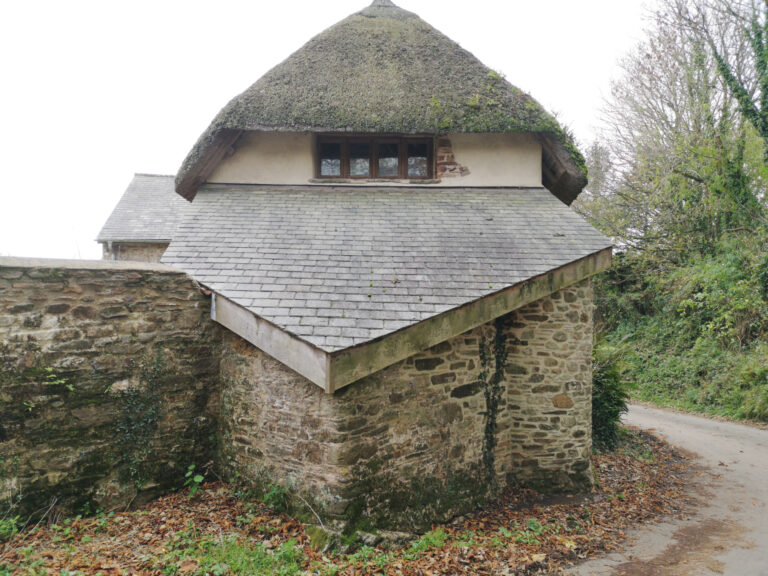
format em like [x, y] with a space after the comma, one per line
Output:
[139, 412]
[492, 361]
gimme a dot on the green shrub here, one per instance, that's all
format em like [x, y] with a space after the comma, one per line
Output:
[610, 394]
[695, 331]
[276, 498]
[8, 528]
[761, 269]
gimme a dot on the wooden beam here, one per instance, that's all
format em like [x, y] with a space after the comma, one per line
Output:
[299, 356]
[352, 364]
[333, 371]
[216, 151]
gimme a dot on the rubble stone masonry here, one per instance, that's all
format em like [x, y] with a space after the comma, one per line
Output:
[113, 380]
[107, 372]
[405, 446]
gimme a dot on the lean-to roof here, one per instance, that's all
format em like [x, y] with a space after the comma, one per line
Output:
[339, 267]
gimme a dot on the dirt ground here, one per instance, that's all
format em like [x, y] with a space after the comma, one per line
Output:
[728, 531]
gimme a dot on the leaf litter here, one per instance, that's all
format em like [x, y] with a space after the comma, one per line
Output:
[523, 533]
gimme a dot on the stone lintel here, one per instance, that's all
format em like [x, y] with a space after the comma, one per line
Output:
[339, 369]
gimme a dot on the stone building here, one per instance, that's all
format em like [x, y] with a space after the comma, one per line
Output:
[383, 223]
[141, 225]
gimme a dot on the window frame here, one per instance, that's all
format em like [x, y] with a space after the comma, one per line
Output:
[373, 142]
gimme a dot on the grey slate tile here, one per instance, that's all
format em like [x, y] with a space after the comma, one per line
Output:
[148, 211]
[287, 253]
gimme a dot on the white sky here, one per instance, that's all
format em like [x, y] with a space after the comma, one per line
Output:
[94, 91]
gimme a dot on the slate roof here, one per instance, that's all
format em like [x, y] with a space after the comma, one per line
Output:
[148, 211]
[338, 267]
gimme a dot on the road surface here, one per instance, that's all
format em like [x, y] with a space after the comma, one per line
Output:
[728, 532]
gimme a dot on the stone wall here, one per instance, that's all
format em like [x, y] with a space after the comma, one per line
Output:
[107, 377]
[113, 380]
[275, 424]
[410, 444]
[134, 251]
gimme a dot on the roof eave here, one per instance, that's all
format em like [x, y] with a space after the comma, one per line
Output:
[335, 370]
[560, 174]
[102, 240]
[189, 181]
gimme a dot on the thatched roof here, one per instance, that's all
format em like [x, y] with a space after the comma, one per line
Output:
[385, 70]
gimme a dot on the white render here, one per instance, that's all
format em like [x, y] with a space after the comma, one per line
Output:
[288, 158]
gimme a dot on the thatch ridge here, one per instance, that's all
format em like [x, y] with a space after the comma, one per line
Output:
[383, 70]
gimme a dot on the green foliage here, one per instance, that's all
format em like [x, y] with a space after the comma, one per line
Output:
[28, 566]
[137, 420]
[193, 481]
[368, 556]
[276, 497]
[698, 331]
[610, 394]
[430, 541]
[9, 527]
[680, 184]
[491, 378]
[230, 555]
[745, 24]
[761, 269]
[263, 486]
[53, 379]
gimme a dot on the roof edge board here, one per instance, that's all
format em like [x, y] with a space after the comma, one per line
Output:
[303, 358]
[216, 150]
[143, 241]
[351, 364]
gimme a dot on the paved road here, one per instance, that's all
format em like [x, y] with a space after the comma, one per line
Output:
[728, 533]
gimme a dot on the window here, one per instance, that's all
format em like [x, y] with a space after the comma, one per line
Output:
[357, 157]
[359, 160]
[330, 163]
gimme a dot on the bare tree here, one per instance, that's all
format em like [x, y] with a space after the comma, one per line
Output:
[736, 32]
[680, 151]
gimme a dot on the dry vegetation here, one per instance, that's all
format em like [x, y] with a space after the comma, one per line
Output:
[222, 531]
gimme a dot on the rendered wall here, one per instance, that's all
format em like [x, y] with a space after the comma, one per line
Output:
[134, 251]
[107, 374]
[493, 160]
[268, 158]
[288, 158]
[407, 446]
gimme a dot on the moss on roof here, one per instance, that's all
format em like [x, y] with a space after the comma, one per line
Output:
[384, 70]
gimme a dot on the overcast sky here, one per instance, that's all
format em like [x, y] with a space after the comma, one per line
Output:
[95, 91]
